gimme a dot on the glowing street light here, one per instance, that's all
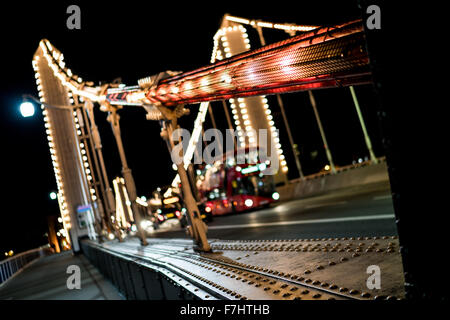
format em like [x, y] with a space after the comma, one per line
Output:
[27, 109]
[53, 195]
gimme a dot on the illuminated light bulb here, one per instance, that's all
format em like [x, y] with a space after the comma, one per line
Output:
[268, 111]
[237, 122]
[269, 117]
[285, 169]
[235, 117]
[271, 123]
[278, 145]
[246, 122]
[245, 116]
[281, 157]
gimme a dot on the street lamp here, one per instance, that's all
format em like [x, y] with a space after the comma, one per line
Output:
[27, 109]
[53, 195]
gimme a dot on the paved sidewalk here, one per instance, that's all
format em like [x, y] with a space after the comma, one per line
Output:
[45, 279]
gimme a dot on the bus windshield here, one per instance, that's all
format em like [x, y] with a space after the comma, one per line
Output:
[253, 185]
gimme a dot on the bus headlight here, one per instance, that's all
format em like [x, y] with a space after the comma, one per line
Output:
[248, 203]
[275, 196]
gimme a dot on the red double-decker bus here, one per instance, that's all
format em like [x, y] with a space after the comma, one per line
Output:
[227, 187]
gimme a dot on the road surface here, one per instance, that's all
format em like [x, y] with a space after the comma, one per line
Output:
[362, 211]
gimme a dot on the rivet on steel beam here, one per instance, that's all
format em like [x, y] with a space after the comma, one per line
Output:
[317, 295]
[305, 291]
[276, 291]
[307, 272]
[343, 289]
[293, 289]
[365, 295]
[353, 291]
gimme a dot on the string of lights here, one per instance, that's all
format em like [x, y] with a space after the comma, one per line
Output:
[281, 26]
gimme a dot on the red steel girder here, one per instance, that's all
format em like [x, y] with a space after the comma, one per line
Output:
[326, 57]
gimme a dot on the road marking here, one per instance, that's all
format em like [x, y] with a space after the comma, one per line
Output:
[310, 221]
[382, 197]
[311, 206]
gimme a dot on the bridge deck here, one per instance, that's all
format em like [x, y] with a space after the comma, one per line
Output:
[45, 279]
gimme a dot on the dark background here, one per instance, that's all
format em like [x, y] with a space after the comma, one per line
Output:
[132, 40]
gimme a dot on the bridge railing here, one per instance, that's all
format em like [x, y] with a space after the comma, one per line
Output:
[11, 266]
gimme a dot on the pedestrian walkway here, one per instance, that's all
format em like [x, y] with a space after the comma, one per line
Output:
[46, 278]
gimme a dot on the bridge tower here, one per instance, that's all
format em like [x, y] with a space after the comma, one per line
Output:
[251, 113]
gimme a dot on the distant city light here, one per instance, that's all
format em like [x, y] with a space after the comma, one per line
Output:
[327, 167]
[275, 196]
[111, 236]
[248, 202]
[27, 109]
[53, 195]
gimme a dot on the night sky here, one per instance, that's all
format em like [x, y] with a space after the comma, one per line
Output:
[132, 40]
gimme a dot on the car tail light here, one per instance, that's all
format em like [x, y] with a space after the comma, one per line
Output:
[160, 217]
[178, 213]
